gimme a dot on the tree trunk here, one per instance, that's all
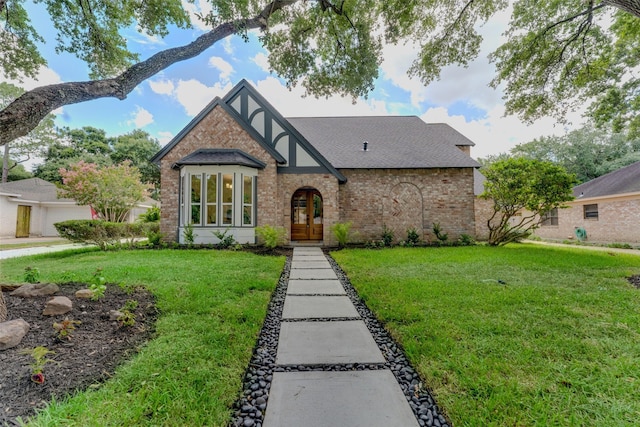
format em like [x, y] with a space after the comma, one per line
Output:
[631, 6]
[24, 113]
[5, 164]
[3, 308]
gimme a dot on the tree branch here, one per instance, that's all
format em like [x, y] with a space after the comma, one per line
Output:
[24, 113]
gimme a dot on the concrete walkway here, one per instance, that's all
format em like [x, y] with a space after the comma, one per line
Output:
[320, 326]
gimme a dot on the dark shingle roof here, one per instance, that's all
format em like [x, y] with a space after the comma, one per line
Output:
[395, 142]
[220, 156]
[625, 180]
[35, 189]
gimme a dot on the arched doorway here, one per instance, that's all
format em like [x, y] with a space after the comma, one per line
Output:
[306, 215]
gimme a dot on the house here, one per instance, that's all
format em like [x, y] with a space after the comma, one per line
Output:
[239, 164]
[30, 207]
[607, 209]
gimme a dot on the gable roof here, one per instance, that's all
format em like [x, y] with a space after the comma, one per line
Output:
[395, 142]
[221, 156]
[34, 189]
[217, 102]
[621, 181]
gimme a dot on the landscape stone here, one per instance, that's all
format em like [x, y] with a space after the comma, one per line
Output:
[84, 293]
[57, 305]
[12, 332]
[115, 314]
[30, 290]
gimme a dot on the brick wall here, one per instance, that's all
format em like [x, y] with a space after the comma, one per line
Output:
[405, 198]
[483, 211]
[618, 221]
[326, 184]
[217, 130]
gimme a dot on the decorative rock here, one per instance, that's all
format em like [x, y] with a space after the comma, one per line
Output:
[114, 315]
[57, 305]
[31, 290]
[84, 293]
[12, 332]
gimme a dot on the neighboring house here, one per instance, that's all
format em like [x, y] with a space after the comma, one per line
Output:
[607, 208]
[30, 207]
[239, 164]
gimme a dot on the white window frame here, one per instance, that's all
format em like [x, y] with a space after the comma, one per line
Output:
[237, 205]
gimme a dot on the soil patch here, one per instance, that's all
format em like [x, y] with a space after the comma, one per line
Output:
[97, 346]
[635, 280]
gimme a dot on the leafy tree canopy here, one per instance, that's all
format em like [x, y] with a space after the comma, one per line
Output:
[558, 54]
[587, 153]
[523, 191]
[16, 171]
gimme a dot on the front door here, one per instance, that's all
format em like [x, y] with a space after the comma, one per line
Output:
[306, 215]
[24, 219]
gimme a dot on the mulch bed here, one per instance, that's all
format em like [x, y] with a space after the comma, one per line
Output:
[98, 345]
[634, 280]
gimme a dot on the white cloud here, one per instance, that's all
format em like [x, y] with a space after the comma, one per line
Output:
[162, 87]
[148, 39]
[194, 95]
[164, 137]
[262, 61]
[140, 117]
[46, 76]
[223, 66]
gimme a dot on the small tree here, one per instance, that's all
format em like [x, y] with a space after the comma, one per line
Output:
[111, 191]
[525, 187]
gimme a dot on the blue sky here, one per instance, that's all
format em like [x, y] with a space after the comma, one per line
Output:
[165, 103]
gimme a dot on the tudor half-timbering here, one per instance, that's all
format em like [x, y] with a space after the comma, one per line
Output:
[239, 164]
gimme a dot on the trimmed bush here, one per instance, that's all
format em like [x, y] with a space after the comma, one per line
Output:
[271, 236]
[103, 233]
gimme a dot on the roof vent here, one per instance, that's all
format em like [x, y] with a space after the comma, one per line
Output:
[365, 145]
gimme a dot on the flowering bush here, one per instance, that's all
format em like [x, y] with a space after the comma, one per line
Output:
[111, 191]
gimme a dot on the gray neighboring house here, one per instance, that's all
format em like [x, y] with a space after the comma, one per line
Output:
[239, 164]
[30, 207]
[607, 208]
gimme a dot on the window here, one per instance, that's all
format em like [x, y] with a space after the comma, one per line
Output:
[217, 197]
[247, 200]
[591, 211]
[550, 218]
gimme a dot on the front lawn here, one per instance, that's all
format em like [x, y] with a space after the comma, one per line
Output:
[212, 305]
[512, 336]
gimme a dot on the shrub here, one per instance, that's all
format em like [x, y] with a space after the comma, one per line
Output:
[151, 215]
[413, 238]
[271, 236]
[466, 240]
[188, 234]
[387, 236]
[341, 231]
[225, 241]
[440, 235]
[103, 233]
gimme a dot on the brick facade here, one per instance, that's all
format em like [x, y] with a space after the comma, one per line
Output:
[618, 221]
[404, 198]
[370, 199]
[217, 130]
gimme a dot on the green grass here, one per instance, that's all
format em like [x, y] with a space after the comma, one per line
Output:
[212, 305]
[559, 344]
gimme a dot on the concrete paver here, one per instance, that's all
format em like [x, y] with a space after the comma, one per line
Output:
[312, 273]
[309, 258]
[318, 307]
[310, 264]
[307, 251]
[328, 399]
[328, 286]
[316, 343]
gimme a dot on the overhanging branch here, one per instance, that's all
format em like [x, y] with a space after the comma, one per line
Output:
[24, 113]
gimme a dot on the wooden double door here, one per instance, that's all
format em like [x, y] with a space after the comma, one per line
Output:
[306, 215]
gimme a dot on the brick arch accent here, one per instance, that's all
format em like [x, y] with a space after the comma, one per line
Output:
[403, 208]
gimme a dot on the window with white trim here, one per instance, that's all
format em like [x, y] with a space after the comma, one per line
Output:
[550, 218]
[218, 196]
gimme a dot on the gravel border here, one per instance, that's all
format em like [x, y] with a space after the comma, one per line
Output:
[250, 408]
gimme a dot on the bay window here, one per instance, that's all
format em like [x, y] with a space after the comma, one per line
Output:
[219, 196]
